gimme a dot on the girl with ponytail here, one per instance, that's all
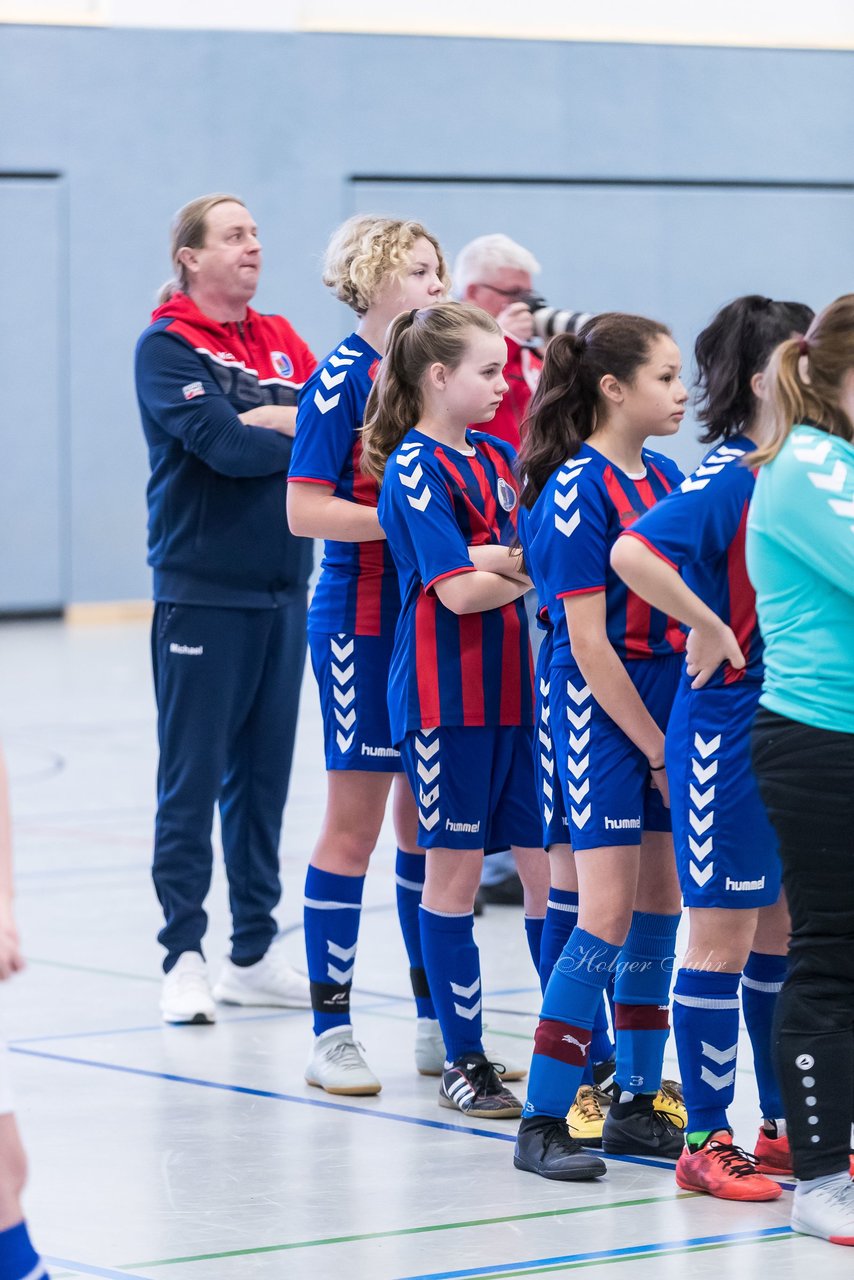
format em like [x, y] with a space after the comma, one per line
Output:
[687, 557]
[379, 267]
[800, 556]
[460, 695]
[614, 669]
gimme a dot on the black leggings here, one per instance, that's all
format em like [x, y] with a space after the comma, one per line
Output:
[806, 778]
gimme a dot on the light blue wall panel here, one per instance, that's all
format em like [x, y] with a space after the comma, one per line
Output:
[34, 548]
[138, 122]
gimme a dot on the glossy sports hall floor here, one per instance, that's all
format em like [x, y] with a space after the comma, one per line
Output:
[199, 1153]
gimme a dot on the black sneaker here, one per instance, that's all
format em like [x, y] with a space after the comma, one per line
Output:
[544, 1146]
[472, 1085]
[504, 893]
[603, 1074]
[641, 1133]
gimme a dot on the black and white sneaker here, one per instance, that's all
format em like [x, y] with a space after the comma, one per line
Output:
[473, 1086]
[631, 1130]
[543, 1146]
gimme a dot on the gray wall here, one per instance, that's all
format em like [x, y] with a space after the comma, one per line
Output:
[661, 179]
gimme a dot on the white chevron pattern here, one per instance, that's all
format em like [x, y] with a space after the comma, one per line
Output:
[547, 759]
[428, 768]
[712, 466]
[720, 1057]
[836, 481]
[472, 993]
[564, 498]
[343, 668]
[341, 976]
[701, 815]
[411, 477]
[578, 753]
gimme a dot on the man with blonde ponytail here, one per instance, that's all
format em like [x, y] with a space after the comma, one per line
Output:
[217, 385]
[800, 557]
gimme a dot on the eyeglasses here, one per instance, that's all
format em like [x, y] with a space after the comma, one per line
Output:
[515, 295]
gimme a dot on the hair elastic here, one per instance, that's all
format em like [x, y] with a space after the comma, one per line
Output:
[413, 313]
[803, 346]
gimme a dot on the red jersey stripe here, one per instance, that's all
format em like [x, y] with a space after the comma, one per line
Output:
[471, 668]
[638, 612]
[511, 669]
[426, 661]
[742, 598]
[330, 484]
[481, 530]
[369, 589]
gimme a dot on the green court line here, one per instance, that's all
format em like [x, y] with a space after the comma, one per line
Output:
[406, 1231]
[88, 968]
[625, 1257]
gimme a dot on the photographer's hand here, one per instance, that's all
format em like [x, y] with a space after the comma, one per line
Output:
[517, 322]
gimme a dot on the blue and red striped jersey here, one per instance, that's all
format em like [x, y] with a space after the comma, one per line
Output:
[567, 538]
[357, 592]
[447, 669]
[700, 530]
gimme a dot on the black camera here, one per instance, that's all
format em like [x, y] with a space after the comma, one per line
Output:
[551, 320]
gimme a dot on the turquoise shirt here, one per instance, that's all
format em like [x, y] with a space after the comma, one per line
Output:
[800, 558]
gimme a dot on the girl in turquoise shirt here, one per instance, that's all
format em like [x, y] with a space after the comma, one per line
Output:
[800, 557]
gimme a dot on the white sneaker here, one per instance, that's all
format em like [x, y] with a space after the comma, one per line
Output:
[824, 1207]
[270, 981]
[430, 1053]
[336, 1065]
[186, 994]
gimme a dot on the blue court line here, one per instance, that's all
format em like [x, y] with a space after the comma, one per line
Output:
[630, 1251]
[323, 1104]
[86, 1269]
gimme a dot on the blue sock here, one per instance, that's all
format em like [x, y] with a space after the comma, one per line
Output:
[333, 908]
[761, 984]
[18, 1258]
[561, 919]
[562, 1039]
[705, 1023]
[601, 1046]
[452, 963]
[534, 933]
[641, 994]
[409, 879]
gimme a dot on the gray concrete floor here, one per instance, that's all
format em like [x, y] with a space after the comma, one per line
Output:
[199, 1153]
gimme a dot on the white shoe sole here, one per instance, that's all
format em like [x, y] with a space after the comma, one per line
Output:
[349, 1090]
[193, 1020]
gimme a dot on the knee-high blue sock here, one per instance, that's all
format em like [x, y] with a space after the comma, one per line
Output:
[18, 1258]
[409, 880]
[562, 1039]
[761, 984]
[641, 994]
[705, 1024]
[561, 919]
[601, 1046]
[452, 964]
[333, 907]
[534, 933]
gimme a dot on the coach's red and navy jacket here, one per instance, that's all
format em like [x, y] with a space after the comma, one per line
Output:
[217, 532]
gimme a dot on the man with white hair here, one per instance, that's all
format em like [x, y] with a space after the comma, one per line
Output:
[496, 273]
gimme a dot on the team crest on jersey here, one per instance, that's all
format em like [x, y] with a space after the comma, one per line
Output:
[506, 494]
[283, 364]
